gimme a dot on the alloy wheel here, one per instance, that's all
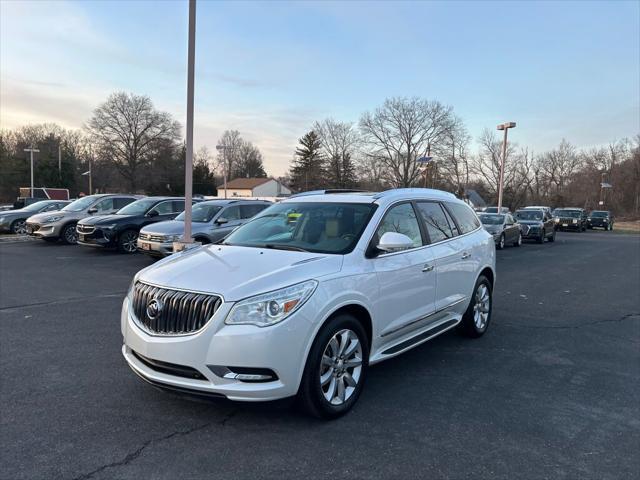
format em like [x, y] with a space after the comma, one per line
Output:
[20, 227]
[70, 234]
[129, 242]
[341, 367]
[481, 307]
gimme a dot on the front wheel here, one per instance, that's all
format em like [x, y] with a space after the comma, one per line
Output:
[500, 245]
[69, 234]
[336, 368]
[519, 241]
[541, 237]
[19, 227]
[475, 320]
[128, 241]
[552, 238]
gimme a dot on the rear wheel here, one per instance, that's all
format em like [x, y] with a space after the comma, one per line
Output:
[128, 241]
[336, 368]
[518, 242]
[69, 234]
[19, 227]
[478, 315]
[552, 238]
[541, 237]
[500, 244]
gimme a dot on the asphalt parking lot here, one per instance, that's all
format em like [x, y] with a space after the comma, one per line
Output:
[552, 391]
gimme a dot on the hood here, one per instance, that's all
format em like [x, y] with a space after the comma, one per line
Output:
[41, 217]
[169, 227]
[104, 219]
[238, 272]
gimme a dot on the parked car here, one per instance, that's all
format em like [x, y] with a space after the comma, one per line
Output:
[549, 210]
[495, 210]
[15, 221]
[62, 224]
[600, 219]
[121, 229]
[536, 224]
[570, 219]
[211, 221]
[503, 228]
[304, 297]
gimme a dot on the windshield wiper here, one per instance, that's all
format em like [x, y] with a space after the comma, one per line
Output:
[283, 246]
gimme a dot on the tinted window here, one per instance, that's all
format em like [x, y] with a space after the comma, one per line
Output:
[177, 206]
[104, 205]
[248, 211]
[164, 208]
[435, 220]
[401, 219]
[466, 218]
[232, 213]
[122, 202]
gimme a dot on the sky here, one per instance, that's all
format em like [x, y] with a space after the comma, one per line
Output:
[270, 69]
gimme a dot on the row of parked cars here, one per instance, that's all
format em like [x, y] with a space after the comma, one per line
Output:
[129, 223]
[539, 223]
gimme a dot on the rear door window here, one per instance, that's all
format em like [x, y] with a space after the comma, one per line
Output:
[248, 211]
[177, 206]
[120, 202]
[439, 227]
[465, 217]
[232, 213]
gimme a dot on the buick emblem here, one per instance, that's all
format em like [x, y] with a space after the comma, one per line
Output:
[154, 307]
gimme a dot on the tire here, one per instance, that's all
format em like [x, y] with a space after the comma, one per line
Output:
[69, 234]
[500, 244]
[127, 241]
[611, 227]
[19, 227]
[541, 237]
[329, 342]
[476, 319]
[552, 238]
[518, 242]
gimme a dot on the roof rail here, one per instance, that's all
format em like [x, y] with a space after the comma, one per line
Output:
[400, 191]
[328, 192]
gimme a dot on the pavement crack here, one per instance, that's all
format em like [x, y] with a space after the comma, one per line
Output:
[64, 300]
[130, 457]
[580, 325]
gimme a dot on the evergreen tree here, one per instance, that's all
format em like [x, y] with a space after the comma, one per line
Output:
[308, 170]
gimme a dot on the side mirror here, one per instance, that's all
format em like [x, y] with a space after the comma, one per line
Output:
[222, 221]
[92, 210]
[153, 213]
[394, 242]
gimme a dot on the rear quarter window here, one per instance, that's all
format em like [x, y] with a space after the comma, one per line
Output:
[465, 217]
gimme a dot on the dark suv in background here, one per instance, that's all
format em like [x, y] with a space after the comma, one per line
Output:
[121, 229]
[600, 219]
[570, 219]
[536, 224]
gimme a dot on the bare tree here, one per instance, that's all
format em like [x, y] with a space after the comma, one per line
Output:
[402, 130]
[453, 156]
[243, 159]
[129, 130]
[340, 141]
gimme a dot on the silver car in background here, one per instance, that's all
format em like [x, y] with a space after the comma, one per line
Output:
[15, 221]
[211, 221]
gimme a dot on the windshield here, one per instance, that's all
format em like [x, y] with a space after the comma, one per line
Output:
[568, 213]
[81, 203]
[201, 213]
[36, 207]
[599, 214]
[139, 207]
[308, 226]
[529, 215]
[492, 219]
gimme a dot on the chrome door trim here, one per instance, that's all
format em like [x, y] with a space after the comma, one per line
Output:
[420, 319]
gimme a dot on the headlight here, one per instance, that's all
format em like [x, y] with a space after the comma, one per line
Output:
[130, 291]
[557, 220]
[271, 308]
[575, 221]
[54, 218]
[1, 219]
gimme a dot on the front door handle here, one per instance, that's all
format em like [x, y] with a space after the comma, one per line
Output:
[466, 255]
[427, 268]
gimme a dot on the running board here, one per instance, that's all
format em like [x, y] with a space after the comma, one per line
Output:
[438, 329]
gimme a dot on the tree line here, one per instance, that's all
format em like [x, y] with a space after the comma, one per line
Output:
[129, 146]
[382, 150]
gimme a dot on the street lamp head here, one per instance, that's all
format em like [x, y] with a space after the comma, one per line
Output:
[506, 125]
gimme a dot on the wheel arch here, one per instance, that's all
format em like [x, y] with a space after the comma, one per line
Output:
[489, 273]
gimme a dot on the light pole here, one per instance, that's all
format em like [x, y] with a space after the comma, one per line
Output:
[505, 126]
[223, 149]
[188, 168]
[31, 150]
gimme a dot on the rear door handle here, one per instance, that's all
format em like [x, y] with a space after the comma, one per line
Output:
[466, 255]
[427, 268]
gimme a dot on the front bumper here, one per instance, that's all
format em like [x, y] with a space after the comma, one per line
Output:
[47, 230]
[97, 238]
[156, 249]
[563, 225]
[280, 349]
[531, 233]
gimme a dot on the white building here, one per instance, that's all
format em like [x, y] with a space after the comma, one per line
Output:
[254, 187]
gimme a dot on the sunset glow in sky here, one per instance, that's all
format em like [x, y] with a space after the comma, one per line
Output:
[270, 69]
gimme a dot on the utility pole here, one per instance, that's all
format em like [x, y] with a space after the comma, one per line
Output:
[188, 170]
[59, 163]
[31, 150]
[223, 149]
[505, 127]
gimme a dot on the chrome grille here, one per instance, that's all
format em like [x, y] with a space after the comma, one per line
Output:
[85, 228]
[179, 312]
[152, 238]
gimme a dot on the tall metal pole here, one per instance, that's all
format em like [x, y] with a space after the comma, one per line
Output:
[31, 150]
[188, 168]
[224, 160]
[504, 155]
[90, 177]
[59, 163]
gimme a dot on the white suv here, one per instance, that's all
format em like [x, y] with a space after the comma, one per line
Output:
[308, 294]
